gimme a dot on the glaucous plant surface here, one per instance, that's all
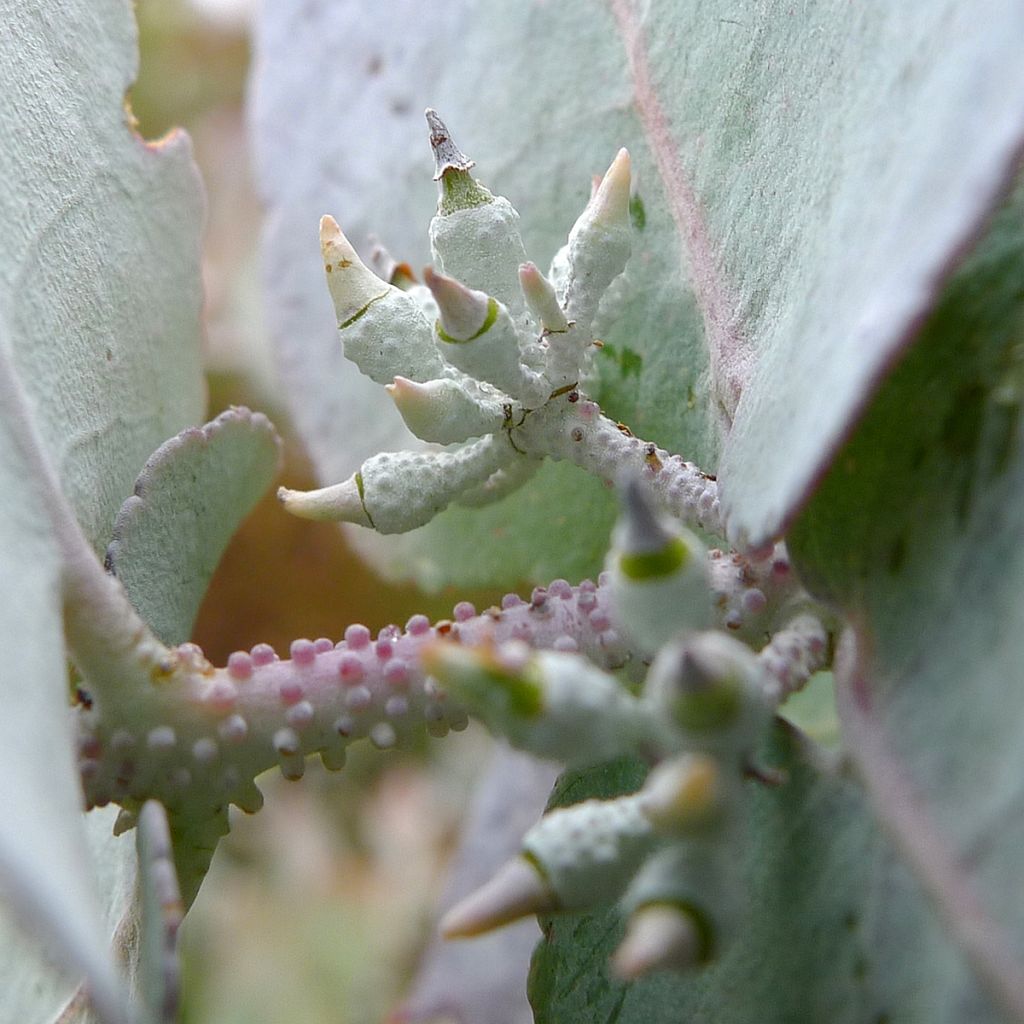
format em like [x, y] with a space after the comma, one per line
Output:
[753, 873]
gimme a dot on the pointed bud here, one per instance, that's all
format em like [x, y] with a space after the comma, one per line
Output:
[539, 701]
[353, 286]
[383, 329]
[659, 936]
[125, 820]
[398, 274]
[683, 794]
[443, 411]
[599, 244]
[447, 155]
[516, 891]
[499, 685]
[340, 503]
[609, 206]
[589, 853]
[458, 189]
[540, 297]
[710, 685]
[465, 314]
[658, 573]
[395, 492]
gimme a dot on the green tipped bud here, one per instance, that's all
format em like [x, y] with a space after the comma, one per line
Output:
[711, 687]
[466, 314]
[552, 705]
[478, 336]
[443, 411]
[540, 297]
[458, 189]
[658, 573]
[501, 687]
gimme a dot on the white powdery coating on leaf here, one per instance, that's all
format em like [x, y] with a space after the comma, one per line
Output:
[481, 246]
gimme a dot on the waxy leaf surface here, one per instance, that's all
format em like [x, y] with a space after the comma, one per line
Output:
[807, 177]
[99, 299]
[189, 499]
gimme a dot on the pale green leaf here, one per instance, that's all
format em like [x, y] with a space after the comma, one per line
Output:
[192, 494]
[917, 532]
[99, 288]
[99, 277]
[47, 877]
[836, 928]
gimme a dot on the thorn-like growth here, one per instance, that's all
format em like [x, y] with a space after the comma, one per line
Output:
[712, 687]
[684, 794]
[516, 891]
[459, 190]
[501, 685]
[538, 700]
[447, 156]
[382, 328]
[391, 270]
[609, 206]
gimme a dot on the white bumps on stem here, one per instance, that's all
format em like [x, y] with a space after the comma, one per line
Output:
[396, 492]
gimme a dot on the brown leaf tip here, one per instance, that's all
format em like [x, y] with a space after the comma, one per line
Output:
[447, 156]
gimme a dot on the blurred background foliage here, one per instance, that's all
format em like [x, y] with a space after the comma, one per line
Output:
[317, 909]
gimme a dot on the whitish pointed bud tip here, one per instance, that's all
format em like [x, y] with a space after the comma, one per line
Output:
[610, 203]
[405, 392]
[516, 891]
[341, 503]
[330, 230]
[658, 937]
[465, 313]
[335, 246]
[541, 298]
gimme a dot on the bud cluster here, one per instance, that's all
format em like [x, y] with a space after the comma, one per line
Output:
[670, 855]
[486, 357]
[677, 656]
